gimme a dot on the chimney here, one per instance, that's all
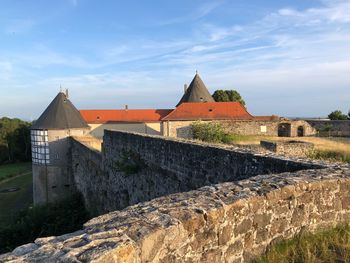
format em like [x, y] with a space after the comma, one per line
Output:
[126, 107]
[67, 93]
[185, 88]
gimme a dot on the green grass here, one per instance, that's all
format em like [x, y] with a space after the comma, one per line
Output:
[332, 245]
[14, 201]
[13, 169]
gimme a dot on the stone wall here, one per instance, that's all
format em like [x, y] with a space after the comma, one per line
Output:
[153, 128]
[289, 148]
[229, 222]
[137, 168]
[182, 129]
[331, 128]
[88, 174]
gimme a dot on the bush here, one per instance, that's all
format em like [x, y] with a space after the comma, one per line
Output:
[39, 221]
[210, 132]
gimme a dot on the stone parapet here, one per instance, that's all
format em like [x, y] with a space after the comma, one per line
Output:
[289, 148]
[228, 222]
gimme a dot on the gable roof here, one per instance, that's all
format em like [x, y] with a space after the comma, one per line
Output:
[209, 111]
[60, 114]
[125, 115]
[196, 92]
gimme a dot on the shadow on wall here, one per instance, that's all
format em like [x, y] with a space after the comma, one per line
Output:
[284, 130]
[336, 128]
[97, 130]
[53, 180]
[184, 132]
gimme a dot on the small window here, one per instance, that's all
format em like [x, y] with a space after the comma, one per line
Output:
[98, 117]
[57, 156]
[210, 110]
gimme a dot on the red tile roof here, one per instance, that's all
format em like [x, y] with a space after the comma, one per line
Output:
[209, 111]
[126, 115]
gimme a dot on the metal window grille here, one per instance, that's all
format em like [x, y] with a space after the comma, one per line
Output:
[40, 147]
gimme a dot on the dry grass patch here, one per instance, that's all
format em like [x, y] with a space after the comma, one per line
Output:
[331, 149]
[331, 245]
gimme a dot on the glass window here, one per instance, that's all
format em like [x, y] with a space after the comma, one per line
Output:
[40, 147]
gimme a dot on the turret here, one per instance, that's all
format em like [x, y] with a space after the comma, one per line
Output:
[52, 179]
[196, 92]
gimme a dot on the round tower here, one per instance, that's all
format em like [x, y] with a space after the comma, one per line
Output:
[50, 134]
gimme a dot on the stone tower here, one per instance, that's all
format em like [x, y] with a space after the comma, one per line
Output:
[50, 134]
[196, 92]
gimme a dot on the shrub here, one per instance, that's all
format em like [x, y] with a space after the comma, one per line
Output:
[210, 132]
[39, 221]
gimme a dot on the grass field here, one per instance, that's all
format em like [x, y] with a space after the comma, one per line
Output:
[13, 169]
[16, 200]
[332, 245]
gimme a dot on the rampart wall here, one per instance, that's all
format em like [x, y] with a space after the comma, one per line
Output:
[136, 168]
[229, 222]
[331, 128]
[216, 204]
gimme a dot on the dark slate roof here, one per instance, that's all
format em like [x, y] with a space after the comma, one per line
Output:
[196, 92]
[60, 114]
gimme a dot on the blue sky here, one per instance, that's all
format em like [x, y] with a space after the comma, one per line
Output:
[290, 58]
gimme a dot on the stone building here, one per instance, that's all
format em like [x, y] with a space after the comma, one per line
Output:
[195, 105]
[50, 147]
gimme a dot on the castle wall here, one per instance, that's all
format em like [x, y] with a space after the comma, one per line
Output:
[153, 128]
[88, 174]
[331, 128]
[54, 181]
[137, 168]
[182, 129]
[229, 222]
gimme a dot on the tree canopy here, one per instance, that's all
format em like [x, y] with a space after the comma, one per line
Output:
[14, 140]
[338, 115]
[228, 95]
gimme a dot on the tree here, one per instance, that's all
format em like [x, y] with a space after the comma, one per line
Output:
[228, 95]
[337, 115]
[14, 140]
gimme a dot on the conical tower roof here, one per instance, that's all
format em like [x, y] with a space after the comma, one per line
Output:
[60, 114]
[196, 92]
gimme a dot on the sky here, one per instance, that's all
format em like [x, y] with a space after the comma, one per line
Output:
[290, 58]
